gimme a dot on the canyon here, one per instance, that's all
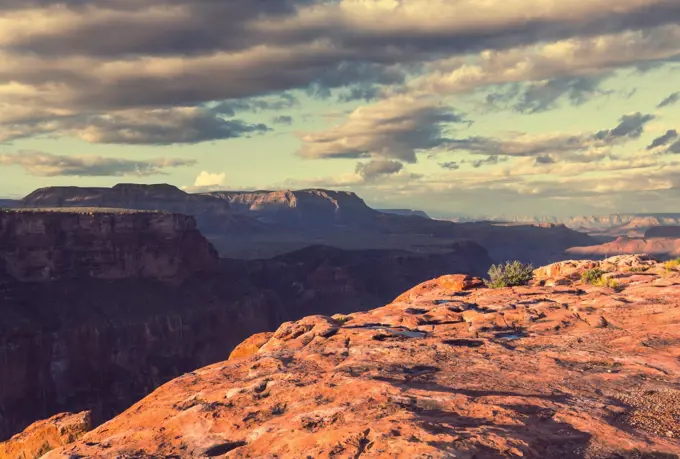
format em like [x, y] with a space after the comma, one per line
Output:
[100, 306]
[555, 369]
[265, 224]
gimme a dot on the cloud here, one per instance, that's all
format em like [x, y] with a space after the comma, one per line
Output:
[665, 139]
[394, 128]
[151, 127]
[674, 148]
[581, 147]
[450, 165]
[573, 67]
[670, 100]
[255, 105]
[49, 165]
[153, 55]
[207, 179]
[283, 119]
[545, 95]
[630, 126]
[378, 168]
[493, 159]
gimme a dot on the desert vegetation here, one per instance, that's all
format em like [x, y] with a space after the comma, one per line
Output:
[596, 277]
[510, 274]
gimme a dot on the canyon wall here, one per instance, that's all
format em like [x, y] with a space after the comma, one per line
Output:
[104, 244]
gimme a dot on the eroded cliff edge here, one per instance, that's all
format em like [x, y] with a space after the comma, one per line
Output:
[560, 369]
[98, 307]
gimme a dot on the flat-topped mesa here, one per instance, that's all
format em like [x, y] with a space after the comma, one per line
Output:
[44, 245]
[449, 369]
[299, 207]
[212, 214]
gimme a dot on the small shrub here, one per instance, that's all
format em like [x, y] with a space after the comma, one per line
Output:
[672, 265]
[512, 274]
[592, 276]
[596, 277]
[639, 269]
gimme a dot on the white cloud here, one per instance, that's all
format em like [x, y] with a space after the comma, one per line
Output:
[207, 179]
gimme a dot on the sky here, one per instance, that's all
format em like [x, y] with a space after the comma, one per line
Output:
[476, 107]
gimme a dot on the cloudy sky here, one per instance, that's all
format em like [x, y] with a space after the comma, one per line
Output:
[451, 106]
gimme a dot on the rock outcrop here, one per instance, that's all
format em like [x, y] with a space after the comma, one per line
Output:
[572, 371]
[44, 436]
[104, 244]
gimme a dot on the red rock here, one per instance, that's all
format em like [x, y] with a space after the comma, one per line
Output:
[44, 436]
[250, 346]
[451, 283]
[535, 372]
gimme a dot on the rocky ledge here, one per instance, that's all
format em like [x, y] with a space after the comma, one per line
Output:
[50, 244]
[450, 369]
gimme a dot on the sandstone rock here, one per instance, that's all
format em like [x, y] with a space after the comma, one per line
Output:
[565, 272]
[561, 373]
[250, 346]
[44, 436]
[452, 283]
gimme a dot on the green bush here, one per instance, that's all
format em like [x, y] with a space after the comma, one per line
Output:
[672, 265]
[512, 274]
[592, 276]
[596, 277]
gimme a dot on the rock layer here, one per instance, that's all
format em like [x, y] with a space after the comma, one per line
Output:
[538, 372]
[103, 244]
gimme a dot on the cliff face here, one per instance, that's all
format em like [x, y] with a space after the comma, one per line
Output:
[48, 245]
[449, 369]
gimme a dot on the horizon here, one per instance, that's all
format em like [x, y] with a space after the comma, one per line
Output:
[510, 110]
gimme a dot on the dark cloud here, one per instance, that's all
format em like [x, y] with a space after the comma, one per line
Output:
[544, 159]
[545, 95]
[451, 165]
[674, 148]
[630, 126]
[665, 139]
[283, 119]
[362, 92]
[143, 127]
[670, 100]
[378, 168]
[493, 159]
[49, 165]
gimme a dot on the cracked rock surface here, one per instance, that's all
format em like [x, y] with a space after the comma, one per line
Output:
[448, 370]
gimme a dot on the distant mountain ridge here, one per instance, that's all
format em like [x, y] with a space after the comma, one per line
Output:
[632, 224]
